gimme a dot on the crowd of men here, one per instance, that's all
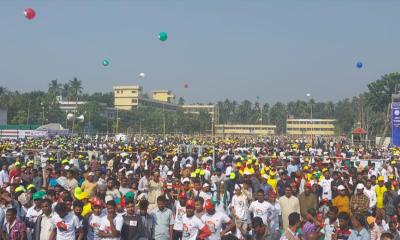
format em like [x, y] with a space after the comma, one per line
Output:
[185, 188]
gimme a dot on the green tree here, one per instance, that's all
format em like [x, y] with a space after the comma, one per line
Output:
[278, 116]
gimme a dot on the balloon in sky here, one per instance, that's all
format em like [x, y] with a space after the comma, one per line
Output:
[359, 64]
[186, 85]
[308, 95]
[163, 36]
[106, 62]
[29, 13]
[142, 75]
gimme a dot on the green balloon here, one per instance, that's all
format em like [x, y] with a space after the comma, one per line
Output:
[163, 36]
[105, 62]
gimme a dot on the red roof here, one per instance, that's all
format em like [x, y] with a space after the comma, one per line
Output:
[359, 131]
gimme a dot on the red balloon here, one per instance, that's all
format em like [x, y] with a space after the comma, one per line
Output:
[29, 13]
[186, 85]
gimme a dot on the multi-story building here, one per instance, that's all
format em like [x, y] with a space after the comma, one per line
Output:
[132, 97]
[320, 127]
[71, 106]
[244, 129]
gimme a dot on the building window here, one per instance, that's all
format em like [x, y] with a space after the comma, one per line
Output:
[133, 91]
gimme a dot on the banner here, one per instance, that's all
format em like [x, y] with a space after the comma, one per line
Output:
[396, 123]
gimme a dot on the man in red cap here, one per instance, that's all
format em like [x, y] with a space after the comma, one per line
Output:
[180, 210]
[307, 200]
[193, 227]
[214, 221]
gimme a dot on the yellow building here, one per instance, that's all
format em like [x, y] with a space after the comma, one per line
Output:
[320, 127]
[163, 96]
[244, 129]
[131, 97]
[127, 97]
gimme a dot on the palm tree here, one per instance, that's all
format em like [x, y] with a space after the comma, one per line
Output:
[54, 88]
[75, 88]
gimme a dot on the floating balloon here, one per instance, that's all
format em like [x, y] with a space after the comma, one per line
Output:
[142, 75]
[29, 13]
[106, 62]
[163, 36]
[308, 95]
[359, 64]
[186, 85]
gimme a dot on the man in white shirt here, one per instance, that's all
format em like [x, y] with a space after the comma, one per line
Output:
[193, 227]
[4, 178]
[326, 185]
[260, 207]
[43, 222]
[369, 190]
[239, 207]
[65, 224]
[214, 221]
[111, 224]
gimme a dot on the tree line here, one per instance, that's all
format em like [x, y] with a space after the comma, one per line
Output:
[369, 110]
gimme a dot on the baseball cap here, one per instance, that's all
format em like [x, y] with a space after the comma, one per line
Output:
[182, 195]
[209, 205]
[360, 186]
[190, 204]
[341, 188]
[169, 173]
[370, 219]
[380, 178]
[308, 185]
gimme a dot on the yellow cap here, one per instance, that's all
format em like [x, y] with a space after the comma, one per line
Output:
[202, 173]
[30, 186]
[324, 170]
[197, 171]
[305, 168]
[232, 175]
[238, 164]
[380, 178]
[20, 189]
[391, 176]
[193, 175]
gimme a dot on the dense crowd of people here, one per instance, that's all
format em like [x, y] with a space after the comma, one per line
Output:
[186, 188]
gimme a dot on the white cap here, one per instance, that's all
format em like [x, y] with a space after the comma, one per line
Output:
[188, 165]
[91, 174]
[127, 161]
[205, 185]
[108, 198]
[341, 187]
[66, 168]
[129, 172]
[170, 173]
[185, 180]
[360, 186]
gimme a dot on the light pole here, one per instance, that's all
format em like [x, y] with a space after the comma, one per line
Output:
[311, 117]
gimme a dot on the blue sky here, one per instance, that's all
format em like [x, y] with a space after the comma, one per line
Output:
[278, 50]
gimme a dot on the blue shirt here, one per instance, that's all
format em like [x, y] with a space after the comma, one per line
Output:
[362, 235]
[292, 168]
[162, 220]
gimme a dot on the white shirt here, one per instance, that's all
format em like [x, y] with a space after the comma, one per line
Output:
[32, 214]
[94, 226]
[274, 212]
[45, 226]
[260, 210]
[70, 223]
[240, 206]
[179, 212]
[326, 188]
[214, 224]
[105, 225]
[4, 178]
[371, 194]
[328, 228]
[191, 227]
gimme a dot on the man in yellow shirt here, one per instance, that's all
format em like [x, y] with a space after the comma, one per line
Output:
[380, 189]
[342, 201]
[89, 186]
